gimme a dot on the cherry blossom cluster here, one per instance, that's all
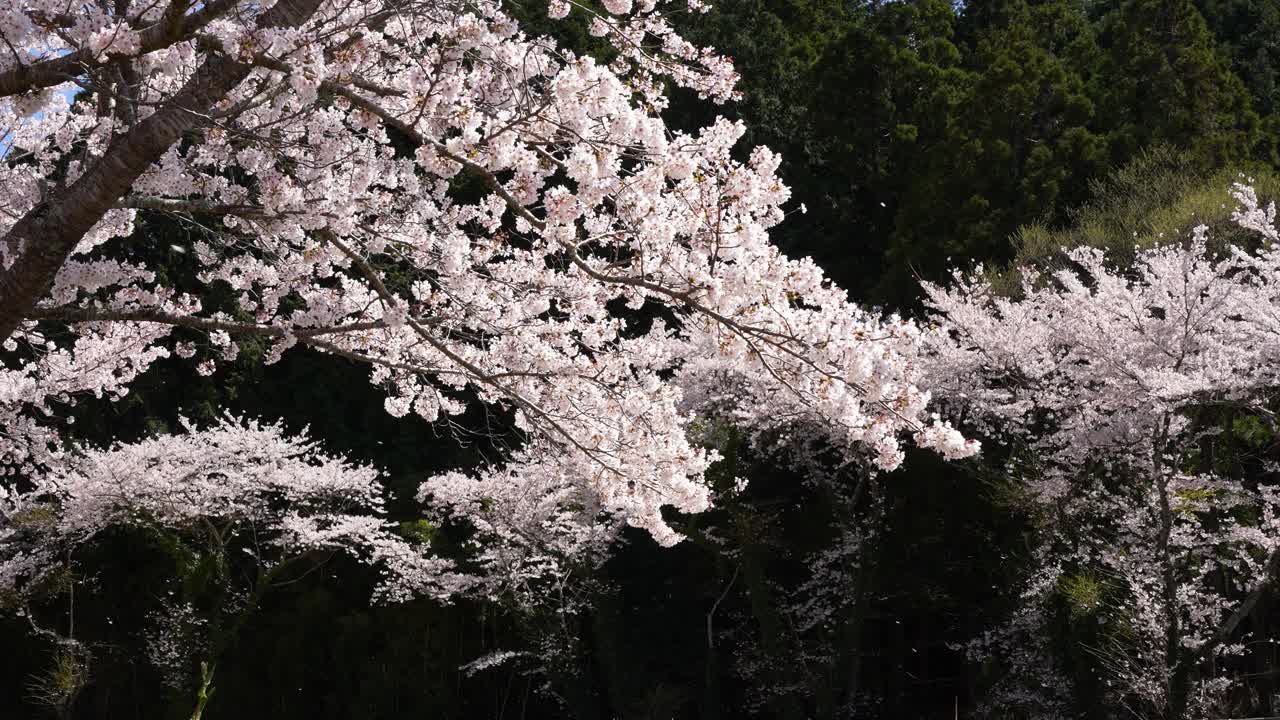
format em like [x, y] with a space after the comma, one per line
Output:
[237, 478]
[1101, 379]
[528, 533]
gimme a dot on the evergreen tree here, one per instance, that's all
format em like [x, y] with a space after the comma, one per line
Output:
[1164, 80]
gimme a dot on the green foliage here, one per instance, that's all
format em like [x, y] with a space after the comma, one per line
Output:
[730, 442]
[36, 517]
[1168, 82]
[58, 685]
[920, 137]
[1189, 501]
[1246, 30]
[1251, 430]
[1158, 198]
[420, 531]
[1083, 592]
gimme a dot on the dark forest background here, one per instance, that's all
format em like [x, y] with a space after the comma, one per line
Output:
[920, 135]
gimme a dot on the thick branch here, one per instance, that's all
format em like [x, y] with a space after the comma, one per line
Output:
[310, 336]
[49, 232]
[88, 315]
[271, 63]
[195, 206]
[55, 71]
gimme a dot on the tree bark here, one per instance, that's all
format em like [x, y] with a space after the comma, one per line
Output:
[781, 673]
[1177, 678]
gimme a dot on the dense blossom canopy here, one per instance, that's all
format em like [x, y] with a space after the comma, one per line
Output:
[475, 212]
[233, 478]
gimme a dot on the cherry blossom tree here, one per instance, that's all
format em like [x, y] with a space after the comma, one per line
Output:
[1111, 386]
[425, 188]
[249, 505]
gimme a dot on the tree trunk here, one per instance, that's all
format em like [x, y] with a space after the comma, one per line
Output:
[771, 631]
[1178, 663]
